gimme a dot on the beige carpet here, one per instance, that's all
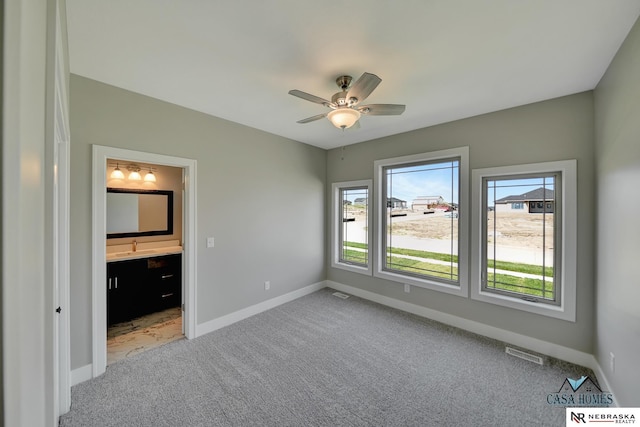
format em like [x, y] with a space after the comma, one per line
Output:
[324, 361]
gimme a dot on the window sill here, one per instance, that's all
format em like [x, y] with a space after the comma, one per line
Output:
[559, 312]
[424, 283]
[367, 271]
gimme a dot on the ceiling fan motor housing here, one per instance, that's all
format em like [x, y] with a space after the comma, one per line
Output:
[343, 82]
[339, 99]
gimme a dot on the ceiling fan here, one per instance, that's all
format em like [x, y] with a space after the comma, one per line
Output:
[345, 109]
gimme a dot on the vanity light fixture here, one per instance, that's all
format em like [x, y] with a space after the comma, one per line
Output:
[134, 174]
[150, 177]
[117, 173]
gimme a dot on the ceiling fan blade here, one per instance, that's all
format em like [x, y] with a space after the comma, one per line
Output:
[382, 109]
[363, 87]
[309, 97]
[312, 118]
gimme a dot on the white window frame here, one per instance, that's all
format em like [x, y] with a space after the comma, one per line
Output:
[463, 222]
[336, 206]
[567, 308]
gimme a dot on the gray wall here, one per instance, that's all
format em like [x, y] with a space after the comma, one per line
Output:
[552, 130]
[261, 196]
[617, 107]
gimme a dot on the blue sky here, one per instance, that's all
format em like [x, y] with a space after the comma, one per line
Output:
[434, 179]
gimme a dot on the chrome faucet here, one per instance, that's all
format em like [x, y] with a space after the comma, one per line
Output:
[134, 246]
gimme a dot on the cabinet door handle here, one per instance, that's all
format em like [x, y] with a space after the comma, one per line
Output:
[167, 295]
[116, 283]
[109, 283]
[167, 276]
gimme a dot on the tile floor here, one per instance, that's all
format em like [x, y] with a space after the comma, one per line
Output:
[144, 333]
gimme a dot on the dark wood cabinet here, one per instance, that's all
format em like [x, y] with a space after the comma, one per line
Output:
[164, 282]
[142, 286]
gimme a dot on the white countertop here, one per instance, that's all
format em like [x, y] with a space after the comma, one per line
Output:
[143, 250]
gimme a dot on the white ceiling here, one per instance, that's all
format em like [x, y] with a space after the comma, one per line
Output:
[444, 59]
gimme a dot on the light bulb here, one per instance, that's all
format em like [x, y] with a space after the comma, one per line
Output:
[150, 177]
[343, 118]
[117, 173]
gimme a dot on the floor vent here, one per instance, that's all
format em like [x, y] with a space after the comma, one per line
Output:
[340, 295]
[526, 356]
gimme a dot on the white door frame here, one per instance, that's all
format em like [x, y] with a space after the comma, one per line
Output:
[61, 192]
[99, 231]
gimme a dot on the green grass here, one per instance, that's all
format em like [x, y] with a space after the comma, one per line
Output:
[521, 285]
[520, 268]
[357, 245]
[500, 265]
[354, 256]
[422, 267]
[425, 254]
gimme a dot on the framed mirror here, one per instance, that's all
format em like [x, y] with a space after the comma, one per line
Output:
[133, 212]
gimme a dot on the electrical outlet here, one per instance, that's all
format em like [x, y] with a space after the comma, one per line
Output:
[612, 362]
[210, 242]
[407, 288]
[267, 285]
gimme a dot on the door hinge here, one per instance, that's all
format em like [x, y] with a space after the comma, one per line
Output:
[58, 310]
[182, 307]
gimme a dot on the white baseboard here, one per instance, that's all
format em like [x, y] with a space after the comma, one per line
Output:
[544, 347]
[534, 344]
[221, 322]
[81, 374]
[602, 379]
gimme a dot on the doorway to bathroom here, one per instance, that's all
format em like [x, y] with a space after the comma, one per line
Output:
[154, 258]
[144, 257]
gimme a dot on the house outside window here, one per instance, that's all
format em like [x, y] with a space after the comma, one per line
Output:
[425, 246]
[526, 260]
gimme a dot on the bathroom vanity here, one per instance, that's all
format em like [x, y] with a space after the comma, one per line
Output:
[142, 282]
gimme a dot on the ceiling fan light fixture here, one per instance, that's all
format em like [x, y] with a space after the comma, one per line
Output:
[345, 106]
[343, 118]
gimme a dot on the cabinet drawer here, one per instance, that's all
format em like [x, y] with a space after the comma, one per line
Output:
[166, 268]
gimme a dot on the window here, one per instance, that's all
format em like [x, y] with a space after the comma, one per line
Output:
[520, 252]
[519, 205]
[421, 212]
[351, 226]
[526, 258]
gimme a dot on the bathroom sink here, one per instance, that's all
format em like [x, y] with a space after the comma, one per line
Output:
[143, 253]
[130, 253]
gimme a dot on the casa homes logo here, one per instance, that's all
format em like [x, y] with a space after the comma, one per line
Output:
[581, 392]
[581, 416]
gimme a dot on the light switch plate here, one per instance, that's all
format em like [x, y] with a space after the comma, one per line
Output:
[210, 242]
